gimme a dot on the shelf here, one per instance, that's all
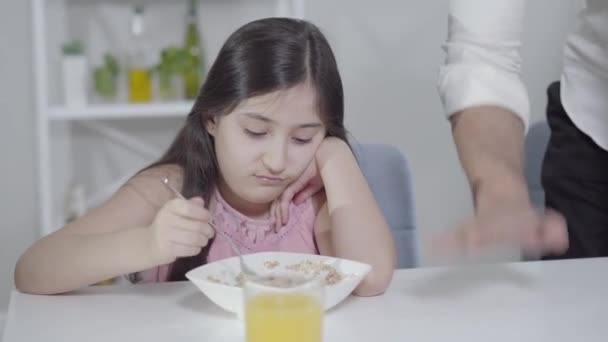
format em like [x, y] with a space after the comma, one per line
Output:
[121, 111]
[103, 24]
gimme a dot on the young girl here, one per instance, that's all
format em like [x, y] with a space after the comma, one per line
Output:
[271, 108]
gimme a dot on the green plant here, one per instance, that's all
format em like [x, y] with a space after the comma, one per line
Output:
[111, 63]
[73, 48]
[106, 76]
[174, 61]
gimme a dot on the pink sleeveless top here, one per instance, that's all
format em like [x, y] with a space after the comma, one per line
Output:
[252, 235]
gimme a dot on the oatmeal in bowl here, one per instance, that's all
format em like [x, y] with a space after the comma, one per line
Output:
[221, 281]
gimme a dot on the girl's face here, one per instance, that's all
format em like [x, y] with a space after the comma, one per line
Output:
[266, 143]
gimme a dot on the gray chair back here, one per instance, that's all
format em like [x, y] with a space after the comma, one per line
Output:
[388, 174]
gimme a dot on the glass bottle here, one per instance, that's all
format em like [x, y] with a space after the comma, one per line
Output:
[140, 84]
[194, 72]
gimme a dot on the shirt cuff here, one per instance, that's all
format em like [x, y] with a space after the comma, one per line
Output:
[464, 86]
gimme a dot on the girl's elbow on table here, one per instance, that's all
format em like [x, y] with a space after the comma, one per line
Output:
[375, 283]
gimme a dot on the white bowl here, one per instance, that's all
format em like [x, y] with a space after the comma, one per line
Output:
[218, 280]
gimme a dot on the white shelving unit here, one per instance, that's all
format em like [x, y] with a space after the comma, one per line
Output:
[54, 119]
[118, 111]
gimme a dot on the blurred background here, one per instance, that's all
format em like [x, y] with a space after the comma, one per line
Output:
[93, 90]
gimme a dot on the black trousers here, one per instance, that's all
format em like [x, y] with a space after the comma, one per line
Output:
[575, 179]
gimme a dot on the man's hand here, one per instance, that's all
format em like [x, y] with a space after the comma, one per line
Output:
[534, 232]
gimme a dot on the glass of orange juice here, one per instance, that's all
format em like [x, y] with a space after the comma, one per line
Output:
[283, 310]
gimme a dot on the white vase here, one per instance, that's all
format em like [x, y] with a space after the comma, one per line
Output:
[75, 80]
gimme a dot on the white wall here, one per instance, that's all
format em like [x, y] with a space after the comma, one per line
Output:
[388, 52]
[18, 209]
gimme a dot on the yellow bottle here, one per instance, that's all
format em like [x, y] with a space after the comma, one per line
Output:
[140, 85]
[283, 317]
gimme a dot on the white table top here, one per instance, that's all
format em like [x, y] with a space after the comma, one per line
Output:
[534, 301]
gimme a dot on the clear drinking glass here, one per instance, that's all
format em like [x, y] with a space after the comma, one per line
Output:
[285, 309]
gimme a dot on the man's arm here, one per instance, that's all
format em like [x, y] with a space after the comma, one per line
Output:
[487, 103]
[490, 140]
[484, 97]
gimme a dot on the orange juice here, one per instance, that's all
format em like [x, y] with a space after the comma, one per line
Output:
[140, 88]
[283, 317]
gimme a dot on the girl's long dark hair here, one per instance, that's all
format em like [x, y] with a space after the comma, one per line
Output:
[262, 56]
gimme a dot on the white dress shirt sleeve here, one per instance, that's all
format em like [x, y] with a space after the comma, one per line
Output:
[483, 63]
